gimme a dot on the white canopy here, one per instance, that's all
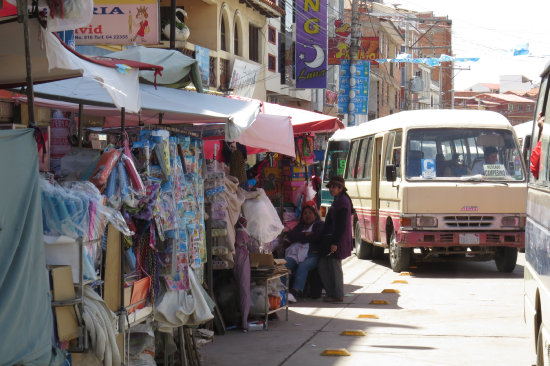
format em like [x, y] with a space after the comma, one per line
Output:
[52, 61]
[242, 120]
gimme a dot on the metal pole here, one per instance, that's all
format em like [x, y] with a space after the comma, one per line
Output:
[172, 24]
[440, 87]
[122, 120]
[80, 111]
[23, 16]
[406, 66]
[355, 34]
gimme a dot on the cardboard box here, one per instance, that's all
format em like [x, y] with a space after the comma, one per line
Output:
[261, 260]
[63, 289]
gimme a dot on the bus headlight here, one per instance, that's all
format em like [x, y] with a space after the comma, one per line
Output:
[426, 221]
[513, 221]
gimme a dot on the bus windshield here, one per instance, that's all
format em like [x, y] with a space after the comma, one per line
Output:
[335, 161]
[463, 155]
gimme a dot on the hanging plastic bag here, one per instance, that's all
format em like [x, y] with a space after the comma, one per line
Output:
[263, 222]
[133, 174]
[203, 303]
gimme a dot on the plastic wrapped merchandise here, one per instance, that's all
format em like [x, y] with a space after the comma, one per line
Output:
[133, 174]
[63, 212]
[104, 167]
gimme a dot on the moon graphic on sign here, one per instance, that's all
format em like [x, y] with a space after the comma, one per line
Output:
[319, 57]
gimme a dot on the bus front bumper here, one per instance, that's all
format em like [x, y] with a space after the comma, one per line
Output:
[416, 239]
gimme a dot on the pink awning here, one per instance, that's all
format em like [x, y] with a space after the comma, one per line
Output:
[303, 121]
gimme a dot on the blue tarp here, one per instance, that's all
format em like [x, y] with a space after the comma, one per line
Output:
[25, 309]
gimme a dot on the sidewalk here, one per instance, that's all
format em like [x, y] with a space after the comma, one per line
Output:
[307, 318]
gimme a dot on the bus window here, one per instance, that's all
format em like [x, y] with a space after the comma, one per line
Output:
[351, 166]
[388, 153]
[542, 107]
[335, 161]
[363, 157]
[504, 164]
[367, 173]
[397, 152]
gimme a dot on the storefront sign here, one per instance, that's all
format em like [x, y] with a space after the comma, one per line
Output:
[339, 49]
[311, 43]
[121, 22]
[202, 55]
[243, 78]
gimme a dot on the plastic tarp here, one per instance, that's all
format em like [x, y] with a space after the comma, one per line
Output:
[52, 61]
[304, 121]
[273, 133]
[177, 106]
[178, 69]
[25, 308]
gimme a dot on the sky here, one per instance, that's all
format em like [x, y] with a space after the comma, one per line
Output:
[490, 29]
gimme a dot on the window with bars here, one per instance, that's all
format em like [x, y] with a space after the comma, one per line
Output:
[213, 72]
[253, 43]
[223, 38]
[225, 74]
[236, 40]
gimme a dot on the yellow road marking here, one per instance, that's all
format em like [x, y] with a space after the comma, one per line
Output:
[335, 352]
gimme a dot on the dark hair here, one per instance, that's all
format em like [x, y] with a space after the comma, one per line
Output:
[315, 212]
[488, 150]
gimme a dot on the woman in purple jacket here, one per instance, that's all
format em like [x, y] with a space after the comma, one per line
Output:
[303, 254]
[338, 241]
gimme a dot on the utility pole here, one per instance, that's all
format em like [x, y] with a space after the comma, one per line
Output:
[355, 34]
[407, 66]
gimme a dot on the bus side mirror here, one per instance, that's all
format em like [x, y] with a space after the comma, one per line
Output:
[391, 173]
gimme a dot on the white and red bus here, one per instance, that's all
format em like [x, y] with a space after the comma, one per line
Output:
[434, 184]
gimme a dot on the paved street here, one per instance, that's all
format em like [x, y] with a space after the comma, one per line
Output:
[446, 314]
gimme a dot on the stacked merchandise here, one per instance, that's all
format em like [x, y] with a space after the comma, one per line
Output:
[153, 195]
[76, 210]
[214, 186]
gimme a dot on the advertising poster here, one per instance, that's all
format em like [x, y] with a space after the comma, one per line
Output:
[202, 55]
[339, 49]
[343, 92]
[243, 78]
[121, 22]
[311, 43]
[338, 46]
[359, 91]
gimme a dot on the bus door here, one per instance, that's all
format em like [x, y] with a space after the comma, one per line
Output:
[376, 166]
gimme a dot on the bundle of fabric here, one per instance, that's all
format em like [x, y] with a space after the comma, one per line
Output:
[101, 325]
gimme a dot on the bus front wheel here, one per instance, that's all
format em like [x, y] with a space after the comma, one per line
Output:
[505, 259]
[363, 250]
[400, 257]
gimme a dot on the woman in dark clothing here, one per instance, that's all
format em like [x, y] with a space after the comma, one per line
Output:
[339, 246]
[303, 254]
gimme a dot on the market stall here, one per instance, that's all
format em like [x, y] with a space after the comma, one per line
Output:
[175, 172]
